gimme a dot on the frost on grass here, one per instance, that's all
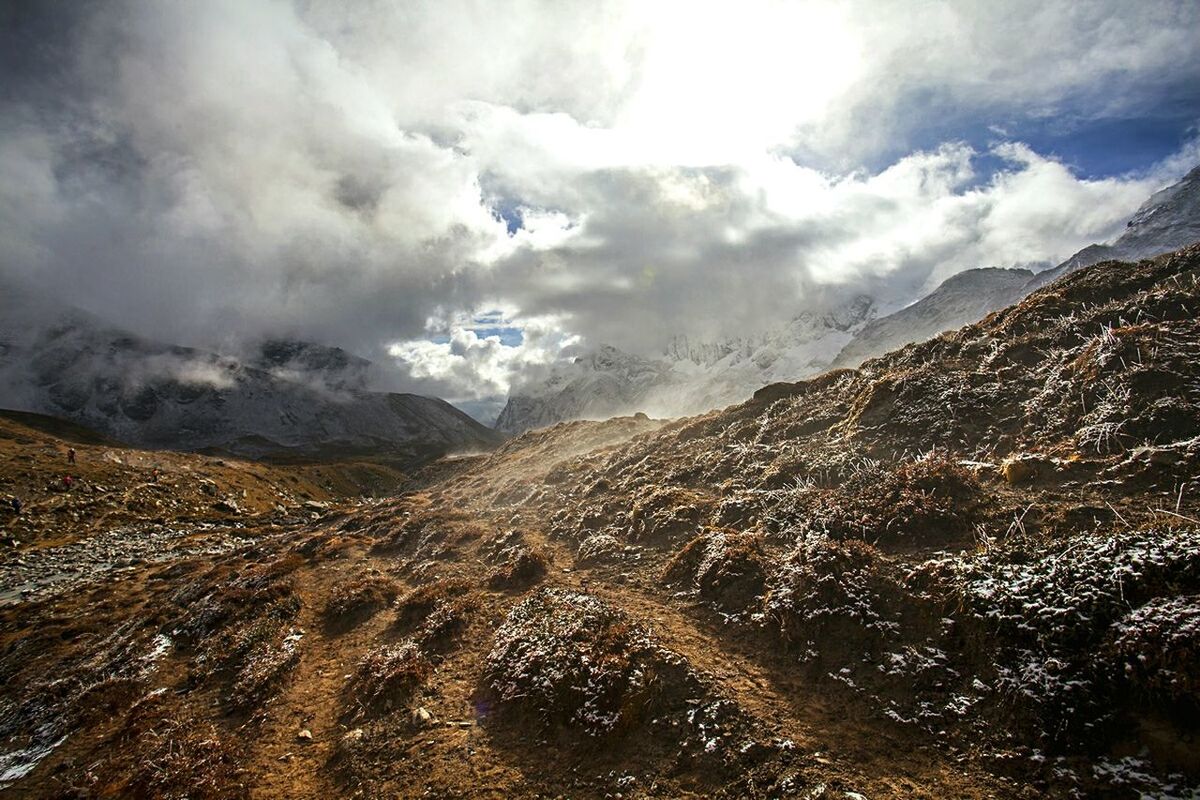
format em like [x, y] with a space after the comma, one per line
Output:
[1158, 648]
[386, 678]
[834, 592]
[727, 568]
[599, 547]
[1051, 615]
[356, 601]
[570, 659]
[569, 662]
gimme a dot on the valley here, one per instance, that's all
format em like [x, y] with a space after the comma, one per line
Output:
[968, 568]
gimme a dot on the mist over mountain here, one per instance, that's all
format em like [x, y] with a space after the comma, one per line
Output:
[1168, 220]
[694, 377]
[468, 197]
[284, 398]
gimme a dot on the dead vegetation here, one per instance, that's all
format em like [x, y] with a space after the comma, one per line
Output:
[356, 601]
[160, 751]
[386, 678]
[968, 569]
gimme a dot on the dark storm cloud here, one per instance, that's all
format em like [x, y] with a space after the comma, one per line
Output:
[365, 175]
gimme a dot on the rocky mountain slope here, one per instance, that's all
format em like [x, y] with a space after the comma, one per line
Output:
[969, 569]
[696, 377]
[1170, 219]
[288, 399]
[968, 296]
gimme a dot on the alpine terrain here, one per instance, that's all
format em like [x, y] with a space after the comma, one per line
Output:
[288, 399]
[969, 568]
[1170, 219]
[693, 378]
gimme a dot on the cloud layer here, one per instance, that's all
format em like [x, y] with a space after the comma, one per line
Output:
[218, 172]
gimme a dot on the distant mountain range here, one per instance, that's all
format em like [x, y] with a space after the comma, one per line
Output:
[694, 377]
[1170, 219]
[289, 398]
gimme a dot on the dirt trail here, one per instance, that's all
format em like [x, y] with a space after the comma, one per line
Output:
[284, 764]
[984, 604]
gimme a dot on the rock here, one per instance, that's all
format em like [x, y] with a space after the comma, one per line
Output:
[353, 738]
[305, 735]
[422, 717]
[208, 487]
[226, 507]
[1157, 456]
[1019, 469]
[315, 505]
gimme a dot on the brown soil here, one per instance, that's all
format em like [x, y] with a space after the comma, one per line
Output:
[835, 590]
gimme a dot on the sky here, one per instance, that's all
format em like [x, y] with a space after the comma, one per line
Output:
[468, 193]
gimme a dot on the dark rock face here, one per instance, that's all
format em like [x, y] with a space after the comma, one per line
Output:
[292, 398]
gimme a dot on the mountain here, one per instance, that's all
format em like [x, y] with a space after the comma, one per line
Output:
[968, 569]
[962, 298]
[692, 376]
[1168, 220]
[292, 398]
[597, 385]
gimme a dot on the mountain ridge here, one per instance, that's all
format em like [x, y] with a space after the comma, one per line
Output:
[696, 377]
[288, 398]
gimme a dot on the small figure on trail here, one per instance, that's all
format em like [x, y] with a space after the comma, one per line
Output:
[70, 455]
[67, 481]
[154, 476]
[16, 506]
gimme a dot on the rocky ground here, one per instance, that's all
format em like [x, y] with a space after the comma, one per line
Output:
[970, 568]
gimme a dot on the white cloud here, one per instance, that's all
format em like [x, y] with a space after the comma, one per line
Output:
[238, 169]
[457, 355]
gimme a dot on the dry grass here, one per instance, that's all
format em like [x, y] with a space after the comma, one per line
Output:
[523, 567]
[162, 752]
[387, 678]
[414, 607]
[356, 601]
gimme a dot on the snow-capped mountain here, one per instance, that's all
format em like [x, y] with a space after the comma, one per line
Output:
[963, 298]
[1168, 220]
[601, 384]
[691, 377]
[288, 397]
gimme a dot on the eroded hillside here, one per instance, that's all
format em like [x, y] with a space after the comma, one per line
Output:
[970, 568]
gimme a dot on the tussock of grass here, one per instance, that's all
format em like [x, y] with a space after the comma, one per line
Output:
[387, 678]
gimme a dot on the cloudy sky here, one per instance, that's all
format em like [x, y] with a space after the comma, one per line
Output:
[469, 191]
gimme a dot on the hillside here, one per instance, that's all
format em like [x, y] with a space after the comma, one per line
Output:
[288, 400]
[968, 296]
[969, 568]
[1168, 220]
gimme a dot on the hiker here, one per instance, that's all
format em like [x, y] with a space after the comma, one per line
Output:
[16, 506]
[70, 455]
[67, 481]
[154, 476]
